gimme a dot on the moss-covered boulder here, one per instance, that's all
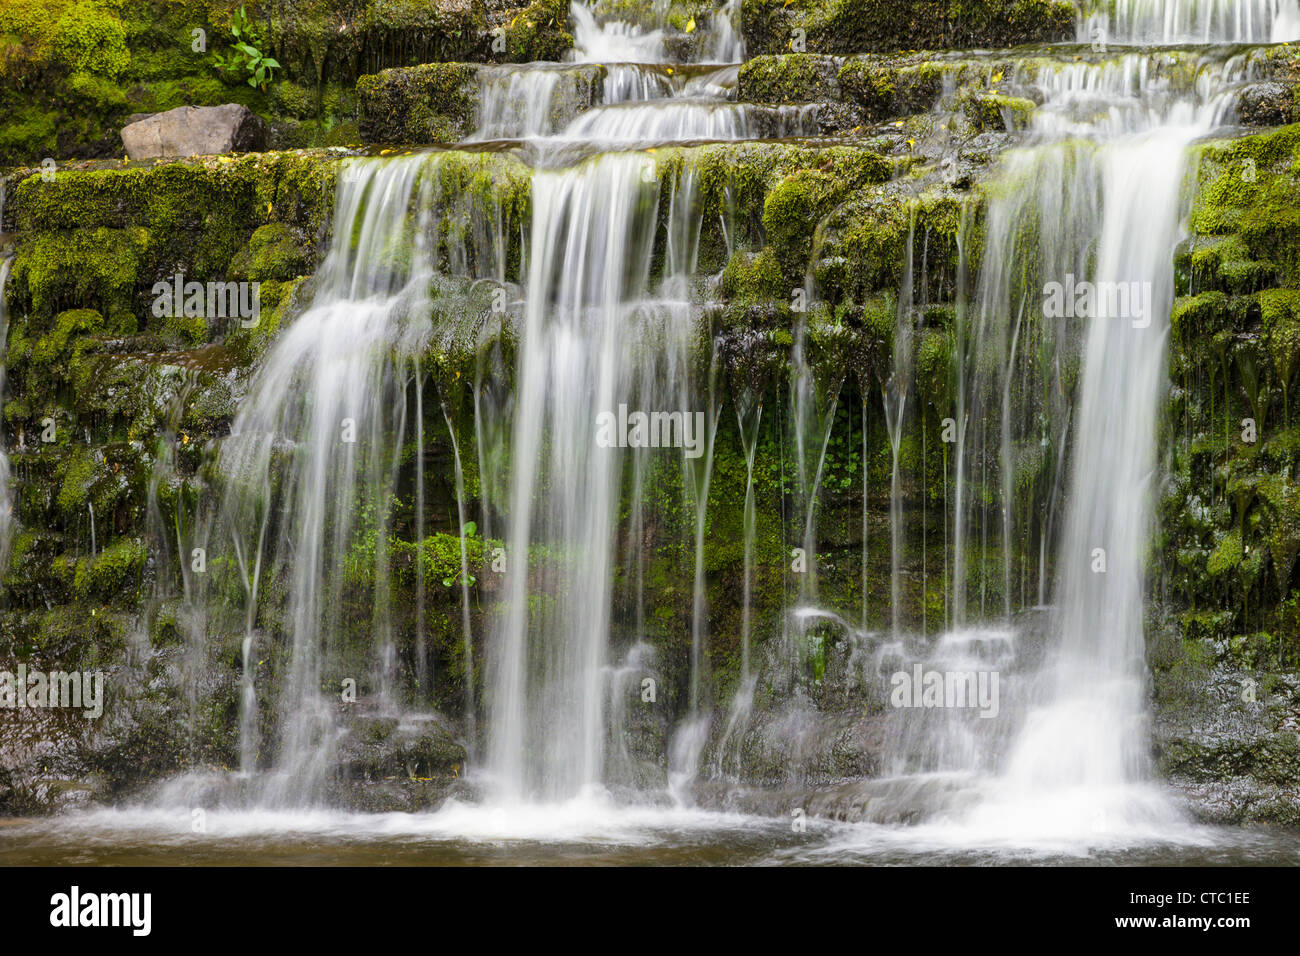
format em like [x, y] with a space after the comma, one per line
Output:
[863, 26]
[435, 103]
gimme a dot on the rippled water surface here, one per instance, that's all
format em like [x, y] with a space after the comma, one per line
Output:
[580, 833]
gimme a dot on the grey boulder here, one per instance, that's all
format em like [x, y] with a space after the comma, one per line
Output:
[195, 131]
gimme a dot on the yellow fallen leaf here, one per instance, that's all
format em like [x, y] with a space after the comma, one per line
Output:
[690, 25]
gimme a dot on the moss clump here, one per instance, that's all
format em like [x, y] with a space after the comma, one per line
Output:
[792, 78]
[78, 473]
[539, 32]
[1249, 193]
[753, 277]
[434, 103]
[997, 110]
[795, 206]
[861, 26]
[88, 250]
[315, 39]
[1198, 314]
[292, 99]
[1226, 556]
[105, 576]
[89, 39]
[1280, 317]
[868, 237]
[89, 268]
[274, 251]
[903, 84]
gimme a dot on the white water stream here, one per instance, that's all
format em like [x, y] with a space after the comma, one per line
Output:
[315, 451]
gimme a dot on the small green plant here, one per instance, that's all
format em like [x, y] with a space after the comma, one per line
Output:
[245, 54]
[467, 532]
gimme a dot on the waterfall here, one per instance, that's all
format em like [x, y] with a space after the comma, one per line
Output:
[590, 331]
[1097, 200]
[614, 41]
[729, 42]
[602, 333]
[312, 453]
[1194, 21]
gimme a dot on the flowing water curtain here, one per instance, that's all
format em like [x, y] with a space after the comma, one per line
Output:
[593, 227]
[1192, 21]
[309, 477]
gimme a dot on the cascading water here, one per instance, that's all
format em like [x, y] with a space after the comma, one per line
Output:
[602, 320]
[1196, 21]
[309, 469]
[1099, 191]
[592, 231]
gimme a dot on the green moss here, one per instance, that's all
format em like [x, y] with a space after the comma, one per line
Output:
[934, 364]
[859, 26]
[78, 473]
[89, 39]
[539, 32]
[997, 110]
[274, 251]
[1226, 556]
[200, 213]
[1249, 192]
[433, 103]
[1280, 317]
[61, 346]
[792, 78]
[868, 238]
[30, 135]
[96, 268]
[114, 569]
[1199, 314]
[794, 206]
[292, 100]
[279, 301]
[752, 277]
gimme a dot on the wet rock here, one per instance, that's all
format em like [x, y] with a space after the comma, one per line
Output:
[791, 78]
[1226, 737]
[413, 747]
[195, 131]
[388, 763]
[1265, 104]
[434, 103]
[860, 26]
[902, 800]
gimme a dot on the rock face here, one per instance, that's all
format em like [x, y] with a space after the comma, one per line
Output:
[1265, 104]
[195, 131]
